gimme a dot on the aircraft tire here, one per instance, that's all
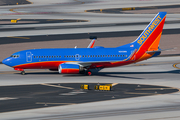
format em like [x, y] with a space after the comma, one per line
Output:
[23, 73]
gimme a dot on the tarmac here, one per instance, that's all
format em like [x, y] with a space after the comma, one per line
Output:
[148, 90]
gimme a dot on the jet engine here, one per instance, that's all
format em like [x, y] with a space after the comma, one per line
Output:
[70, 68]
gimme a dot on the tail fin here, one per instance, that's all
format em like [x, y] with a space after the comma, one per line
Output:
[149, 39]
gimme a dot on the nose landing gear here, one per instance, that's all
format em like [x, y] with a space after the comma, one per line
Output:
[23, 73]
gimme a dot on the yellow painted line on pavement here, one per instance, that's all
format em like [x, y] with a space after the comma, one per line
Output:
[59, 86]
[55, 103]
[29, 1]
[114, 84]
[175, 65]
[19, 37]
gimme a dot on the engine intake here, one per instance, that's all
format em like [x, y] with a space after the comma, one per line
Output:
[70, 68]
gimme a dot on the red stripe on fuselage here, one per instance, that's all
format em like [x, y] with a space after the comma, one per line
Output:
[41, 65]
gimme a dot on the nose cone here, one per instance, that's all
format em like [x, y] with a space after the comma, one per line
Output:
[4, 61]
[7, 61]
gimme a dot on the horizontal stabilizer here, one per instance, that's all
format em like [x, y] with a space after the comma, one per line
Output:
[148, 52]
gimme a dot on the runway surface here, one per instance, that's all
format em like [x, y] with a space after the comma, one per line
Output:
[148, 90]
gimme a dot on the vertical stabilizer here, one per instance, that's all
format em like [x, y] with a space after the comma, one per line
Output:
[149, 39]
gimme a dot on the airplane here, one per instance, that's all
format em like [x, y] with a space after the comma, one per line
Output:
[83, 60]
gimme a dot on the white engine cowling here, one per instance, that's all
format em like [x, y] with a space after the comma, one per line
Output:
[70, 68]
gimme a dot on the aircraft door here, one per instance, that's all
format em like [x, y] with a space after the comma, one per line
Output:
[77, 56]
[28, 57]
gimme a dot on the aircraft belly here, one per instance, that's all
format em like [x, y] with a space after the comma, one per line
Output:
[40, 65]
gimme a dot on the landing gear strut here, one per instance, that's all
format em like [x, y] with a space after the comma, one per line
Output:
[23, 73]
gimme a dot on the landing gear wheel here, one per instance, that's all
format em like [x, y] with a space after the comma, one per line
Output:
[23, 73]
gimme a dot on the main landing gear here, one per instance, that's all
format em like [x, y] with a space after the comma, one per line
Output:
[23, 73]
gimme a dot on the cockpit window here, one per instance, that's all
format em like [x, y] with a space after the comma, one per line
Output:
[14, 56]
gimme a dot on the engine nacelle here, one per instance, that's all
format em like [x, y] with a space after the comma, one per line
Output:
[70, 69]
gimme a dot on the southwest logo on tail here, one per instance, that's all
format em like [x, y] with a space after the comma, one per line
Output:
[83, 60]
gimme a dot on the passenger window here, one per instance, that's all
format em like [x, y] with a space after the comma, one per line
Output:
[44, 56]
[34, 56]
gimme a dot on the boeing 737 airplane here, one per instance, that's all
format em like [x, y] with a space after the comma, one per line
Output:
[83, 60]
